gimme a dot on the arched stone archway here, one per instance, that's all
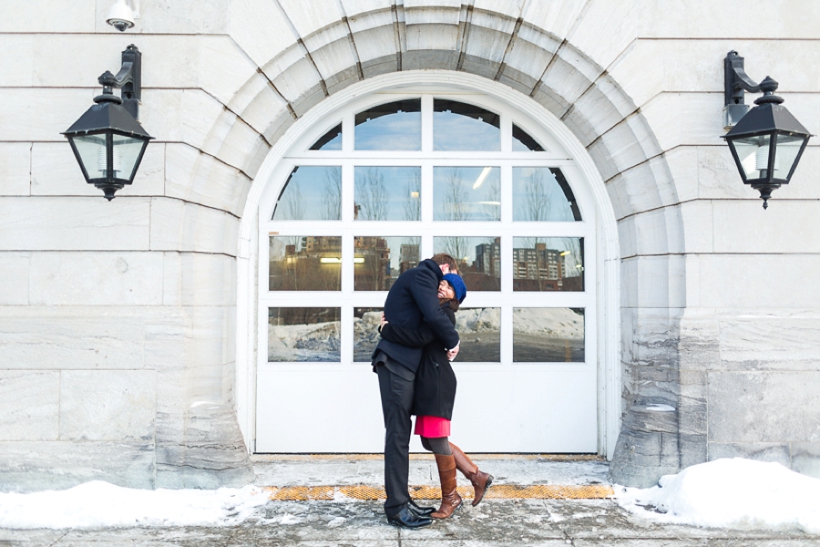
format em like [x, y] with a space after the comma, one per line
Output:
[293, 78]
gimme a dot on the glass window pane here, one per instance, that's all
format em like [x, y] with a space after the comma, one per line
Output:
[91, 149]
[479, 260]
[542, 194]
[311, 193]
[548, 264]
[479, 331]
[462, 126]
[787, 148]
[378, 261]
[548, 335]
[309, 263]
[522, 142]
[365, 332]
[466, 193]
[390, 126]
[388, 193]
[127, 151]
[753, 153]
[303, 334]
[332, 140]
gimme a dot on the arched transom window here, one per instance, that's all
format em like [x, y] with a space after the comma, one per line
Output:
[394, 180]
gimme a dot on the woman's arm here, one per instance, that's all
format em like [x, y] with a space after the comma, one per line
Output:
[413, 338]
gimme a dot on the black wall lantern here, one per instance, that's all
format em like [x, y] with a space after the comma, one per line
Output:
[767, 141]
[107, 140]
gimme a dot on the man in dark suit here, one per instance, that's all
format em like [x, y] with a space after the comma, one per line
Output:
[412, 299]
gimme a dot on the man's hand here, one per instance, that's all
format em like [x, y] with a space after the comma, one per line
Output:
[451, 353]
[382, 322]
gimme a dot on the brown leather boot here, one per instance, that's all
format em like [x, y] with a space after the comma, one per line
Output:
[450, 500]
[481, 481]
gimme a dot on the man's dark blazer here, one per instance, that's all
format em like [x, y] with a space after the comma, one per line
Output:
[412, 300]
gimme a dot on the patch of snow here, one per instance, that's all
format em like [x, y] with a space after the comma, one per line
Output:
[287, 518]
[338, 521]
[730, 493]
[660, 408]
[99, 504]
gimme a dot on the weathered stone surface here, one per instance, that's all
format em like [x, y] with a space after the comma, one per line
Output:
[40, 114]
[108, 278]
[788, 228]
[685, 119]
[615, 19]
[72, 337]
[193, 279]
[236, 143]
[250, 23]
[29, 405]
[770, 342]
[14, 278]
[805, 458]
[180, 115]
[295, 78]
[15, 168]
[556, 18]
[376, 38]
[210, 17]
[180, 226]
[486, 41]
[644, 187]
[43, 16]
[51, 223]
[764, 407]
[528, 58]
[212, 454]
[768, 452]
[598, 109]
[647, 447]
[29, 466]
[626, 145]
[107, 405]
[653, 281]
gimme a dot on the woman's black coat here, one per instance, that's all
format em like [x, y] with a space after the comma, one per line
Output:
[435, 389]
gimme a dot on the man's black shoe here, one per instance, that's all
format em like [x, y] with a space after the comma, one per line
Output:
[408, 519]
[419, 510]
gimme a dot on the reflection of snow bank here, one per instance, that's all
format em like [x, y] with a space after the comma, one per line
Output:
[366, 330]
[478, 320]
[316, 342]
[551, 322]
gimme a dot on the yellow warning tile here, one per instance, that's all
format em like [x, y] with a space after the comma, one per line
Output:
[499, 492]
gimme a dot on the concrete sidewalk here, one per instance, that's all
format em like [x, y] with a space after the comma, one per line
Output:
[349, 522]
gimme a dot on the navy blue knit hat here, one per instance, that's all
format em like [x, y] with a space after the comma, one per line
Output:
[458, 285]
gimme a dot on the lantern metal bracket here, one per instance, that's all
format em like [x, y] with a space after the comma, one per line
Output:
[736, 83]
[129, 79]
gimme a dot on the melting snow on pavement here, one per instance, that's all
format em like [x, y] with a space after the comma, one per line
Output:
[99, 504]
[731, 493]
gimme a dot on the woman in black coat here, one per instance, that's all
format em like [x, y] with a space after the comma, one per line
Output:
[435, 393]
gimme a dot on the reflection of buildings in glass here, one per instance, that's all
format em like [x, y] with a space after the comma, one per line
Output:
[488, 258]
[314, 263]
[372, 264]
[408, 256]
[538, 268]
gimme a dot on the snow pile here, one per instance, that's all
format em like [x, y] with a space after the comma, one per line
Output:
[551, 322]
[731, 493]
[100, 504]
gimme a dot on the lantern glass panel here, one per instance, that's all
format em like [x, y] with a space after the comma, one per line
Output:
[91, 149]
[753, 155]
[127, 151]
[787, 148]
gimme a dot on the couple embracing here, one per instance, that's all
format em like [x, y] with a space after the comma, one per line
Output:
[412, 360]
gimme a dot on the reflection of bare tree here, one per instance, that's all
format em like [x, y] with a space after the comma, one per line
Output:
[412, 193]
[458, 248]
[491, 210]
[454, 198]
[332, 194]
[293, 206]
[539, 194]
[372, 195]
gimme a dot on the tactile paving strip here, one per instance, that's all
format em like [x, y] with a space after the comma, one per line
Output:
[500, 492]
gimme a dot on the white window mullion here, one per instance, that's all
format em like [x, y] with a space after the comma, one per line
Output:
[426, 124]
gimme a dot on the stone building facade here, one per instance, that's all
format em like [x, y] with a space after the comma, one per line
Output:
[128, 330]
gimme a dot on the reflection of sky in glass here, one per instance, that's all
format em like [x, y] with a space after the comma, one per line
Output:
[388, 193]
[332, 140]
[311, 193]
[453, 131]
[378, 261]
[466, 193]
[392, 126]
[538, 196]
[523, 142]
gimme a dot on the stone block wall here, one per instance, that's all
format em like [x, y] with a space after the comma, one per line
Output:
[131, 304]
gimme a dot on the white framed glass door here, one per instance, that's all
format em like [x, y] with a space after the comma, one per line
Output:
[394, 179]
